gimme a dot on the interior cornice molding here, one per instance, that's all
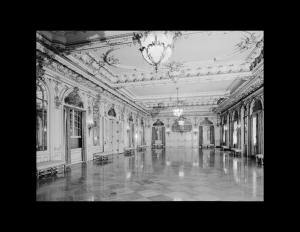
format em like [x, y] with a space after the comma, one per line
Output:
[246, 96]
[245, 89]
[61, 66]
[245, 102]
[209, 114]
[182, 80]
[59, 78]
[214, 94]
[256, 51]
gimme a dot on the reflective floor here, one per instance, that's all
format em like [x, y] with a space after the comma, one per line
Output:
[172, 174]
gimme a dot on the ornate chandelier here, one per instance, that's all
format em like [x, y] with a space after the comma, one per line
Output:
[156, 46]
[181, 120]
[177, 111]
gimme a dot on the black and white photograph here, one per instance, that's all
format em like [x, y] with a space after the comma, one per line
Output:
[150, 116]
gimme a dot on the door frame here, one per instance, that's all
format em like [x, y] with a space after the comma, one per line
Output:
[66, 142]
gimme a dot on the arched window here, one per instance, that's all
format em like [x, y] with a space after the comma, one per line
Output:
[41, 117]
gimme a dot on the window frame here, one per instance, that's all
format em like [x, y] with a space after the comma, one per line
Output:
[43, 87]
[74, 127]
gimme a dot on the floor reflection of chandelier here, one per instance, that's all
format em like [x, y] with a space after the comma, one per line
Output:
[156, 46]
[177, 111]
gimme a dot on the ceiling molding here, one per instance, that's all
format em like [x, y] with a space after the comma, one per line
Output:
[244, 90]
[63, 67]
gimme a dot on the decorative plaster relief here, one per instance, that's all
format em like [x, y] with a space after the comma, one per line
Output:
[73, 98]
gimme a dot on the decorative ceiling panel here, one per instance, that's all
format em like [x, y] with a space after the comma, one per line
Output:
[213, 64]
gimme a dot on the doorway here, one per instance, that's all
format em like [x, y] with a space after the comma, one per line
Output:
[74, 135]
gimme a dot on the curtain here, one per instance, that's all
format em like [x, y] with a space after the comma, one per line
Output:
[259, 120]
[251, 136]
[83, 137]
[232, 129]
[200, 135]
[229, 134]
[225, 132]
[212, 135]
[163, 136]
[262, 132]
[143, 135]
[133, 135]
[239, 137]
[67, 134]
[153, 135]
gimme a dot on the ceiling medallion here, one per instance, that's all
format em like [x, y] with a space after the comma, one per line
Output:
[156, 46]
[174, 71]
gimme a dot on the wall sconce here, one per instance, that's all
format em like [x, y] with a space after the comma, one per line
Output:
[168, 132]
[195, 132]
[127, 129]
[90, 126]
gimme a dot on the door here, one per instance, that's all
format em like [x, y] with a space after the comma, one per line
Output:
[73, 134]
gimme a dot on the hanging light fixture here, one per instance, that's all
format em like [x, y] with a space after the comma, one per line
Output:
[181, 120]
[156, 46]
[177, 111]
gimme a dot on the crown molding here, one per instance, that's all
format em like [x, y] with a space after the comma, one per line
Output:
[212, 94]
[251, 87]
[69, 70]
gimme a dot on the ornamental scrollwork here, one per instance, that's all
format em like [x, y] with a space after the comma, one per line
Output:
[73, 98]
[247, 42]
[42, 60]
[108, 58]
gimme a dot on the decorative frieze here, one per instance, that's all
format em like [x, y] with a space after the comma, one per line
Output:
[70, 74]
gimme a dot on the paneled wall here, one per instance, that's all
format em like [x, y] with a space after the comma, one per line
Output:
[57, 90]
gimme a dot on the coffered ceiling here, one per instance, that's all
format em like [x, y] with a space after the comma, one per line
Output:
[209, 65]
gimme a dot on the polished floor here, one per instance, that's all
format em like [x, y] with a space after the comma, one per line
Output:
[172, 174]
